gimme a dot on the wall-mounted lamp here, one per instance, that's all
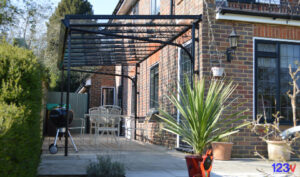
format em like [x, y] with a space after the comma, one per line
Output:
[233, 41]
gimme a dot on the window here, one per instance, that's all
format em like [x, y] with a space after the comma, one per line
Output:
[154, 87]
[254, 1]
[108, 96]
[272, 78]
[155, 7]
[133, 97]
[268, 1]
[185, 65]
[185, 70]
[135, 9]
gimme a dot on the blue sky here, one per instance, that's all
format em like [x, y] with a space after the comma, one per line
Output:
[100, 7]
[103, 6]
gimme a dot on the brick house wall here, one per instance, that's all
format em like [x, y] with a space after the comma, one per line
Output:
[99, 81]
[240, 70]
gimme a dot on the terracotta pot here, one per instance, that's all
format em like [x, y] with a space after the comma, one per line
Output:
[279, 151]
[222, 150]
[193, 163]
[217, 71]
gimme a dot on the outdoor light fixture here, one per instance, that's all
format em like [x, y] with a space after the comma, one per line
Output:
[233, 39]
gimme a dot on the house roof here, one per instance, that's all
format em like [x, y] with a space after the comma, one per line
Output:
[100, 40]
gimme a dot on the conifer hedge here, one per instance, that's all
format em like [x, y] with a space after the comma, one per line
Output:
[20, 105]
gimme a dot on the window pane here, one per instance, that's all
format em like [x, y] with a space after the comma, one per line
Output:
[266, 47]
[154, 83]
[153, 7]
[157, 6]
[185, 67]
[107, 96]
[289, 55]
[268, 1]
[266, 87]
[132, 98]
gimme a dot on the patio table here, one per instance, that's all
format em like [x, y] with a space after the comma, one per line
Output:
[107, 127]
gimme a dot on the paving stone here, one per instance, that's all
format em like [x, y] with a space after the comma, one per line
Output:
[142, 160]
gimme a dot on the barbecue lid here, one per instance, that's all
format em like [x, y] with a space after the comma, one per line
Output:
[59, 117]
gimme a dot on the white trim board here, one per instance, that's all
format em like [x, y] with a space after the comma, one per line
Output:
[178, 84]
[257, 19]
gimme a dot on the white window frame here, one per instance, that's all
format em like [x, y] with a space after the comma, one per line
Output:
[178, 84]
[157, 11]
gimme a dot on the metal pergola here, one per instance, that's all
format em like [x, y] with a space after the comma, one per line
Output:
[126, 40]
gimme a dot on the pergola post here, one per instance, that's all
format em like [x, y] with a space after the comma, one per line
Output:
[62, 87]
[68, 92]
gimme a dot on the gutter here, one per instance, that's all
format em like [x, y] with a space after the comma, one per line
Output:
[273, 15]
[117, 8]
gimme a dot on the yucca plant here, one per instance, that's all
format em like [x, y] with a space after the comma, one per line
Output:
[202, 121]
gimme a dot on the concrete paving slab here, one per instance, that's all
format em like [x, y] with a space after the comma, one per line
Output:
[145, 160]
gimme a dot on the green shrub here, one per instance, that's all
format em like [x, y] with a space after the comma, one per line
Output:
[20, 106]
[104, 167]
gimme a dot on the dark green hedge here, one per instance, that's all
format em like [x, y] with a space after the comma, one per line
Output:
[20, 105]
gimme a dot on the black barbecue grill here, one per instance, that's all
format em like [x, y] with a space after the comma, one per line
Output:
[58, 116]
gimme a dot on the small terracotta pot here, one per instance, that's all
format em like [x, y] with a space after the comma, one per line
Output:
[222, 150]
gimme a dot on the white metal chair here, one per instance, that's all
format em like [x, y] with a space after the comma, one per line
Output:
[93, 114]
[102, 123]
[113, 120]
[81, 127]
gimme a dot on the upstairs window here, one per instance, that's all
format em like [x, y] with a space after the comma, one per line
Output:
[155, 7]
[135, 9]
[255, 1]
[154, 87]
[268, 1]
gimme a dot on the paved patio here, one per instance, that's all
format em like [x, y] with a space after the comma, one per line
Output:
[141, 160]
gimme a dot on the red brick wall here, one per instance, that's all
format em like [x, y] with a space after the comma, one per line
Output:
[99, 81]
[240, 70]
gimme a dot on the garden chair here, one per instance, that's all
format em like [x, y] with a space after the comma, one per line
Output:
[113, 120]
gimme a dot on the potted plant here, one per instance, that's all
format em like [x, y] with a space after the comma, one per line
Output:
[279, 143]
[222, 149]
[278, 149]
[201, 116]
